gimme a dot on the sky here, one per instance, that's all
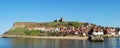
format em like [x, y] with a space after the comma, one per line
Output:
[100, 12]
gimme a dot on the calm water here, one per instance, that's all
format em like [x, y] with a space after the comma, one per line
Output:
[54, 43]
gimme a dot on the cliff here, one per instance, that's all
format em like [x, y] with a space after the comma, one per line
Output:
[21, 28]
[57, 29]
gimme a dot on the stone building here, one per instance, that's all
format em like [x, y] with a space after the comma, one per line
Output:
[61, 20]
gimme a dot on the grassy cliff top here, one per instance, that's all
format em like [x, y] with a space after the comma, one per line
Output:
[47, 24]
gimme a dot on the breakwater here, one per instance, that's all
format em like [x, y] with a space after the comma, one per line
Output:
[96, 38]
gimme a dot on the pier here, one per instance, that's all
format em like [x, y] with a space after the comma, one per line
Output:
[96, 38]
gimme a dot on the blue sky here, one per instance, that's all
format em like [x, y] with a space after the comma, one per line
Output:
[100, 12]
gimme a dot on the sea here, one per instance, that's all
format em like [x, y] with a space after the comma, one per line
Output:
[57, 43]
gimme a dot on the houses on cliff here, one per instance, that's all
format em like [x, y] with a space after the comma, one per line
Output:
[84, 29]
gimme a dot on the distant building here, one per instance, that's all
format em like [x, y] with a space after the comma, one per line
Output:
[61, 20]
[56, 21]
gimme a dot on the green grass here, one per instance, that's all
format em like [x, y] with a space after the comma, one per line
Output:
[56, 24]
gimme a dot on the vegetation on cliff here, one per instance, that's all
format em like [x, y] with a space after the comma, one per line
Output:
[20, 28]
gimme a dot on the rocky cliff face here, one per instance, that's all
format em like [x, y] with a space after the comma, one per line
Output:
[23, 25]
[19, 25]
[19, 28]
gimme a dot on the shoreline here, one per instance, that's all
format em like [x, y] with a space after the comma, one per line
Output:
[54, 37]
[48, 37]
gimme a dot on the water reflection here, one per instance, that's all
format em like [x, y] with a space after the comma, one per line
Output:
[48, 43]
[5, 43]
[96, 45]
[55, 43]
[112, 43]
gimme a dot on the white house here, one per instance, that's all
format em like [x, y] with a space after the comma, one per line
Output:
[40, 28]
[119, 33]
[98, 33]
[57, 29]
[37, 28]
[112, 32]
